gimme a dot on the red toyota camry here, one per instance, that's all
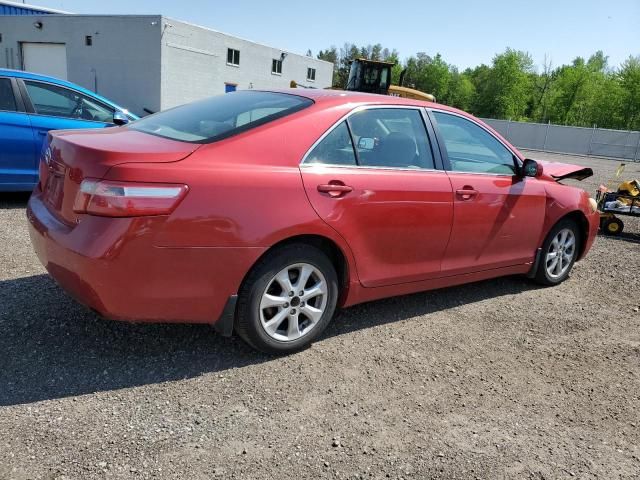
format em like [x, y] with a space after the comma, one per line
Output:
[262, 211]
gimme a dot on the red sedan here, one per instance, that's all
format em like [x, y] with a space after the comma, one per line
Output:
[261, 212]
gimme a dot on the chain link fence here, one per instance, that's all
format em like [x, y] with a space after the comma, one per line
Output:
[619, 144]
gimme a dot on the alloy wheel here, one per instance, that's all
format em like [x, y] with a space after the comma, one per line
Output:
[293, 302]
[561, 253]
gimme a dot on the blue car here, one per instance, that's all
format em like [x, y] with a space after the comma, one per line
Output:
[30, 106]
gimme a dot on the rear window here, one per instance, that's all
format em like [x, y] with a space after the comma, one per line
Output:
[220, 117]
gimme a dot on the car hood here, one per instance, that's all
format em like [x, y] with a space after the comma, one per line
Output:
[561, 171]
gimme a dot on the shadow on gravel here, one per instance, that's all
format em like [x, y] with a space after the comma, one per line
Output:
[10, 200]
[623, 237]
[52, 347]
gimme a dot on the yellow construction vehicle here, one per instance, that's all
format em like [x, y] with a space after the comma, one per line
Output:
[612, 204]
[374, 76]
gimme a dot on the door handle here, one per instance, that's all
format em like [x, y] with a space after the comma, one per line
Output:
[335, 189]
[466, 193]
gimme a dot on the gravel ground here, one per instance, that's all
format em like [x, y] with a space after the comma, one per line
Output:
[498, 379]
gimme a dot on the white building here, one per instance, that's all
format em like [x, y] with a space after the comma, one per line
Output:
[149, 63]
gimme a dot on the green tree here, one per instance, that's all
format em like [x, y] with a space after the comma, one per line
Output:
[331, 55]
[428, 74]
[574, 90]
[509, 88]
[461, 92]
[629, 76]
[582, 93]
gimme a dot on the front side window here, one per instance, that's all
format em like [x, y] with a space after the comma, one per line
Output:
[56, 101]
[7, 100]
[334, 149]
[276, 66]
[391, 137]
[472, 149]
[311, 74]
[233, 56]
[222, 116]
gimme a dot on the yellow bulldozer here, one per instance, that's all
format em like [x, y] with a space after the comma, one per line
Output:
[374, 76]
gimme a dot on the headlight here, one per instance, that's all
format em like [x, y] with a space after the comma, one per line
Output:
[593, 205]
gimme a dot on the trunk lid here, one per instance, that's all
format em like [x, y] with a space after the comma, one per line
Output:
[73, 155]
[562, 171]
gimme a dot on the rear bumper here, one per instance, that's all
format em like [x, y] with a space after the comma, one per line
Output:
[112, 266]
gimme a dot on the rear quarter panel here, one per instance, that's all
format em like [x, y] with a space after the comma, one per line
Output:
[244, 191]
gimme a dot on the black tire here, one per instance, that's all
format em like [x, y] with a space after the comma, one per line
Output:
[542, 275]
[612, 226]
[248, 324]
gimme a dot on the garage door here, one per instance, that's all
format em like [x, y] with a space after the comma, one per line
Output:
[45, 58]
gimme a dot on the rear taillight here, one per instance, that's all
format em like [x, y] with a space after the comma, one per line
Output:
[127, 199]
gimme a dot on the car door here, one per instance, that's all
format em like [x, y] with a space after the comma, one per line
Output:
[18, 168]
[374, 178]
[498, 214]
[54, 107]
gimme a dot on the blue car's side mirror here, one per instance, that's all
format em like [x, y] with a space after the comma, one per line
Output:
[120, 118]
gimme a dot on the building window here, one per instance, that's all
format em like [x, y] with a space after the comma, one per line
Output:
[0, 38]
[88, 40]
[233, 57]
[311, 74]
[276, 66]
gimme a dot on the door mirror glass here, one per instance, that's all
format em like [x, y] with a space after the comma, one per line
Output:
[366, 143]
[120, 118]
[531, 168]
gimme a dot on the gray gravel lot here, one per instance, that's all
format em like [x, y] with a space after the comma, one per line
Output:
[498, 379]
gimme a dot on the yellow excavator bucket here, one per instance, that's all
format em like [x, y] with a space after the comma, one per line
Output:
[405, 92]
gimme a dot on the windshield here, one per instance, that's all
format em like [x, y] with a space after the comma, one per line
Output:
[369, 77]
[220, 117]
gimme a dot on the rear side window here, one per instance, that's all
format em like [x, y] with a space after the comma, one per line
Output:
[7, 100]
[334, 149]
[220, 117]
[391, 137]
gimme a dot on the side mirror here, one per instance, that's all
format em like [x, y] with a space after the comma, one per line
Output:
[366, 143]
[531, 168]
[120, 118]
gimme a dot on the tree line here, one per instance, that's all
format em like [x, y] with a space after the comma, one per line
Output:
[585, 92]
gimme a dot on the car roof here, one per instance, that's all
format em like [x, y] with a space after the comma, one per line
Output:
[7, 72]
[330, 97]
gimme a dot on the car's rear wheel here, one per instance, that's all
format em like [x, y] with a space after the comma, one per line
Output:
[287, 300]
[559, 253]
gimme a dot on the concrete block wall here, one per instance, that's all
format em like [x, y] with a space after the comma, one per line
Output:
[153, 62]
[194, 64]
[124, 56]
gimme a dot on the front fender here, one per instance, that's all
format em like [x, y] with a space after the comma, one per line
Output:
[565, 201]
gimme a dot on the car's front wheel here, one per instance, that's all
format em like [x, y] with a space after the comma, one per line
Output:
[287, 300]
[559, 253]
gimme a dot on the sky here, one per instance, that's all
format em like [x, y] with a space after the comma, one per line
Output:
[465, 32]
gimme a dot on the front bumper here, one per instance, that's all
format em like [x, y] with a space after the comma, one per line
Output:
[593, 221]
[112, 266]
